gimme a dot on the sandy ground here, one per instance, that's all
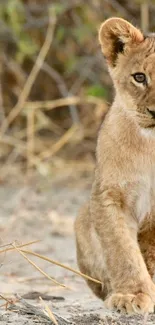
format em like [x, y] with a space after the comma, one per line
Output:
[46, 210]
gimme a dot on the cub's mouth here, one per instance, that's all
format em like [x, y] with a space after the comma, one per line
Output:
[152, 113]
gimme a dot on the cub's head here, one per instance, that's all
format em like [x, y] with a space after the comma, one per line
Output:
[131, 60]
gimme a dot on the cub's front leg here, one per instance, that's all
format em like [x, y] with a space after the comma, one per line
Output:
[132, 287]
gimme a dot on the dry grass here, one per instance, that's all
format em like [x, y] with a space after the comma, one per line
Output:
[48, 311]
[23, 253]
[17, 246]
[61, 265]
[38, 268]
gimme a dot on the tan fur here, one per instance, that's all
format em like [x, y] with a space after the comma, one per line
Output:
[115, 231]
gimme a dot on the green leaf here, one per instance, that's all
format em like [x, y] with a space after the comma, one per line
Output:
[71, 64]
[82, 33]
[60, 33]
[58, 8]
[96, 90]
[27, 46]
[16, 15]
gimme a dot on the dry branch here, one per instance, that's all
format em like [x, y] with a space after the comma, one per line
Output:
[30, 136]
[38, 268]
[48, 311]
[23, 252]
[27, 148]
[59, 144]
[26, 308]
[4, 298]
[145, 15]
[6, 139]
[36, 160]
[2, 109]
[18, 246]
[33, 75]
[61, 265]
[51, 104]
[63, 89]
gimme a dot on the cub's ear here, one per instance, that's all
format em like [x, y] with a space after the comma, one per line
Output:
[114, 34]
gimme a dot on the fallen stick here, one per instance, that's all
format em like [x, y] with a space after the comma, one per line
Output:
[27, 308]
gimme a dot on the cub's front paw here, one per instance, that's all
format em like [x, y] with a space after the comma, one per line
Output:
[129, 303]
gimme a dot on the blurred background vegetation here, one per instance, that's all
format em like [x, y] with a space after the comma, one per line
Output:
[41, 127]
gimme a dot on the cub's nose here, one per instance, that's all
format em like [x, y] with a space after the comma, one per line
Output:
[151, 112]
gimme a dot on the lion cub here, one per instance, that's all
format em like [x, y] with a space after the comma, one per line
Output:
[115, 231]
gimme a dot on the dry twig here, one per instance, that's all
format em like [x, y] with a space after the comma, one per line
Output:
[30, 136]
[61, 265]
[2, 109]
[23, 252]
[38, 268]
[6, 139]
[27, 308]
[51, 104]
[59, 144]
[18, 246]
[4, 298]
[7, 302]
[32, 77]
[26, 149]
[63, 90]
[48, 312]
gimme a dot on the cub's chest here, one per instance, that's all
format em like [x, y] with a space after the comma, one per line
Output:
[145, 203]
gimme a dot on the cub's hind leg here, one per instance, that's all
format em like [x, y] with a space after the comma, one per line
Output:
[101, 290]
[146, 240]
[89, 254]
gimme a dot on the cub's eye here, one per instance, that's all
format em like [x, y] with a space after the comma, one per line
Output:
[139, 77]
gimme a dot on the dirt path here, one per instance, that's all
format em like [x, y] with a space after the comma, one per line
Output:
[47, 211]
